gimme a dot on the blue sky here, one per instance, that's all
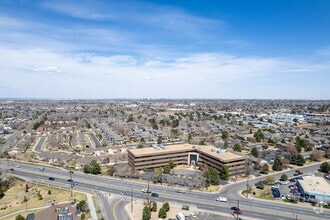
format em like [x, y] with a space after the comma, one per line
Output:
[236, 49]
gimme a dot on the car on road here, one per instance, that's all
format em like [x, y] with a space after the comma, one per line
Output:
[42, 169]
[327, 176]
[12, 169]
[234, 208]
[70, 180]
[51, 178]
[180, 191]
[146, 190]
[237, 212]
[17, 165]
[221, 199]
[154, 194]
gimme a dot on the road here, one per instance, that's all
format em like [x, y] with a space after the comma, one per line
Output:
[257, 209]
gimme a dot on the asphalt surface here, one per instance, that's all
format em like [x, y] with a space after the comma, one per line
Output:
[252, 208]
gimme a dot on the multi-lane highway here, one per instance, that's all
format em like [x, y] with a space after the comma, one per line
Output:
[256, 209]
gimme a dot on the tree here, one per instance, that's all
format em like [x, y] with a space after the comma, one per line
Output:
[189, 137]
[82, 206]
[83, 216]
[224, 172]
[265, 169]
[202, 142]
[153, 205]
[19, 217]
[284, 177]
[2, 194]
[146, 213]
[87, 168]
[171, 164]
[237, 147]
[255, 152]
[325, 167]
[166, 206]
[259, 135]
[278, 164]
[26, 188]
[297, 159]
[159, 140]
[49, 192]
[139, 146]
[269, 180]
[162, 213]
[212, 177]
[224, 135]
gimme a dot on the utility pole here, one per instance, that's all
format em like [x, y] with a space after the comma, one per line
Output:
[132, 201]
[71, 182]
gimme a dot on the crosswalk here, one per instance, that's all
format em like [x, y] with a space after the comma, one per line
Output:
[123, 197]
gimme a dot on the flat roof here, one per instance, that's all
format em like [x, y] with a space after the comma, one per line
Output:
[218, 153]
[315, 184]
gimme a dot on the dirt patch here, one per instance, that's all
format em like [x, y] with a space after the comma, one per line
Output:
[174, 209]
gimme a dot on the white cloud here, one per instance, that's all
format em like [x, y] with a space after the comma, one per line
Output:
[47, 69]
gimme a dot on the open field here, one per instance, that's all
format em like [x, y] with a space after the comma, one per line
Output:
[13, 200]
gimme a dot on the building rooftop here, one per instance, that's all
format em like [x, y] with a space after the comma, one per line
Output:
[221, 154]
[314, 184]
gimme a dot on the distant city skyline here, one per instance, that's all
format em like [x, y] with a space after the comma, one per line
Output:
[256, 49]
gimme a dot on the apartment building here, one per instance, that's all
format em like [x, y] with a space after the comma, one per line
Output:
[185, 154]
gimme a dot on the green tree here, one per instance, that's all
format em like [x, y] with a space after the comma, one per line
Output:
[139, 146]
[19, 217]
[237, 147]
[325, 167]
[224, 172]
[162, 213]
[130, 118]
[95, 167]
[224, 135]
[82, 206]
[171, 164]
[189, 137]
[49, 192]
[202, 142]
[211, 176]
[82, 216]
[153, 206]
[259, 135]
[2, 194]
[255, 152]
[278, 164]
[265, 169]
[284, 177]
[166, 206]
[146, 213]
[159, 140]
[87, 168]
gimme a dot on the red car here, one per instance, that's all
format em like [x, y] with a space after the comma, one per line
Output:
[299, 172]
[237, 212]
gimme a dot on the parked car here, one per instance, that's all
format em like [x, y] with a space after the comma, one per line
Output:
[323, 203]
[221, 199]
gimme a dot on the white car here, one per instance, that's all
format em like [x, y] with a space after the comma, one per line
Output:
[145, 190]
[221, 199]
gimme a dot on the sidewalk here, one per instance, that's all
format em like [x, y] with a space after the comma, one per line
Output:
[91, 206]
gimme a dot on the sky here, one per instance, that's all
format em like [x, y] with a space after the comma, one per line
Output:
[174, 49]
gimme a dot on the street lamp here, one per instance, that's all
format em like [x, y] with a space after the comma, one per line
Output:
[109, 187]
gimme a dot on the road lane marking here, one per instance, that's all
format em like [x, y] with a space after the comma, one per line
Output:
[113, 209]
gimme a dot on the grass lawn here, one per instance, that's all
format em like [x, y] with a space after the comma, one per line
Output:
[13, 200]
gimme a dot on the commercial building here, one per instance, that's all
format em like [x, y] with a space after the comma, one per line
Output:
[314, 188]
[185, 154]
